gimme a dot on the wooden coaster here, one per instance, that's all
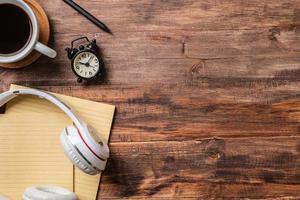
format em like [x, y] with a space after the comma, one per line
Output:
[43, 38]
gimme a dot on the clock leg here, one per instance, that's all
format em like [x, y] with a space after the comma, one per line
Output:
[79, 80]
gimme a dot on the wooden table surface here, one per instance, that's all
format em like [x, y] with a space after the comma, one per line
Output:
[206, 93]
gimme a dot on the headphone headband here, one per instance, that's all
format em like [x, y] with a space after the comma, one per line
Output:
[9, 95]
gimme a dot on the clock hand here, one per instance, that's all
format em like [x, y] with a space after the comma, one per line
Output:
[90, 59]
[85, 64]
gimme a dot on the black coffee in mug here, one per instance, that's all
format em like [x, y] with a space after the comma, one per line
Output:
[15, 28]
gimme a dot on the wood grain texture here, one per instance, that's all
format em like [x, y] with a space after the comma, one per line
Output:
[207, 94]
[208, 168]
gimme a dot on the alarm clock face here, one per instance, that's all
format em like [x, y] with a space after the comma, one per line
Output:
[86, 64]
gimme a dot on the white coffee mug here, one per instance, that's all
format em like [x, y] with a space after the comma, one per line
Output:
[33, 43]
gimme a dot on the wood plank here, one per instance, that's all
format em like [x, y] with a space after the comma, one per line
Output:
[188, 44]
[208, 168]
[175, 99]
[250, 71]
[144, 15]
[192, 44]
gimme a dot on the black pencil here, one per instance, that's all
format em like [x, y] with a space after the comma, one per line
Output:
[88, 15]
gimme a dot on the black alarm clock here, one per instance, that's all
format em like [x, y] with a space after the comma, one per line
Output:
[86, 62]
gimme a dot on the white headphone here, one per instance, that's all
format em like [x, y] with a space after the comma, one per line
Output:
[48, 193]
[80, 142]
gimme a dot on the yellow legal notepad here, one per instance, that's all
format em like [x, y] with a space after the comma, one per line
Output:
[30, 151]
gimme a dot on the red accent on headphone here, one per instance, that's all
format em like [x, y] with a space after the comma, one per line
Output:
[88, 146]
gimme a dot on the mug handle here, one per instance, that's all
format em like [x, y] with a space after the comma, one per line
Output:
[45, 50]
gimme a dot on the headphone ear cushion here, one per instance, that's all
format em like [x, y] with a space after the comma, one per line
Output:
[48, 193]
[75, 156]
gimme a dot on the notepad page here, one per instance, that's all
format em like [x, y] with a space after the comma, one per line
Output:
[99, 115]
[30, 153]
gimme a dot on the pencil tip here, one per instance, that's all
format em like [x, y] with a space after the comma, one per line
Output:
[107, 30]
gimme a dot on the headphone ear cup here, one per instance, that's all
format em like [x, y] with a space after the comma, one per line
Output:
[48, 193]
[73, 154]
